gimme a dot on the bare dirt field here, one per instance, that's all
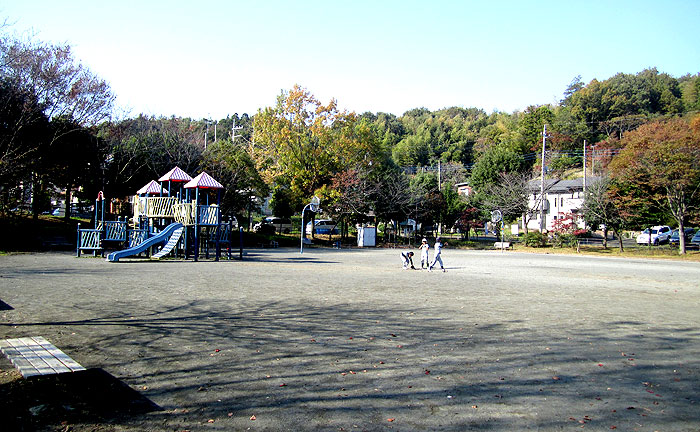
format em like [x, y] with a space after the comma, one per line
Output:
[339, 340]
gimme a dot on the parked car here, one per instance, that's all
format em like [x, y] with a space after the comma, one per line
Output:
[695, 241]
[675, 239]
[659, 234]
[323, 226]
[266, 229]
[281, 225]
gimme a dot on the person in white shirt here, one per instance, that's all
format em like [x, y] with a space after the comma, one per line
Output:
[407, 258]
[437, 258]
[424, 260]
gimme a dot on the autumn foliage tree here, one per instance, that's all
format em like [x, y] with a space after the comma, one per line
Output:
[660, 167]
[303, 143]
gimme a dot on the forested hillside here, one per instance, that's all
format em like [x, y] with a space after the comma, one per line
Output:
[57, 137]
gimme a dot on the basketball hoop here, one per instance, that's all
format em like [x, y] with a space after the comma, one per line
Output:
[314, 205]
[496, 216]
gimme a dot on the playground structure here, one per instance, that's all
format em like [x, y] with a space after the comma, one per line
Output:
[182, 218]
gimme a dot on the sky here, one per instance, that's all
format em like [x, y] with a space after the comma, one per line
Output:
[211, 59]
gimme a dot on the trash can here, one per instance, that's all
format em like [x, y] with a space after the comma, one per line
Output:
[367, 236]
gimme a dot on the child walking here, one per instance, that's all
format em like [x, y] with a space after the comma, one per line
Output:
[437, 259]
[424, 260]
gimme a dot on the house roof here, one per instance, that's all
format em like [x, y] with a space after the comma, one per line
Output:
[152, 188]
[534, 185]
[176, 175]
[561, 186]
[203, 181]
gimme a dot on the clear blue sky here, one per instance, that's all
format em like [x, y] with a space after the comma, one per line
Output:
[216, 58]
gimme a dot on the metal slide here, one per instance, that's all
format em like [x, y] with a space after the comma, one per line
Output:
[159, 238]
[170, 245]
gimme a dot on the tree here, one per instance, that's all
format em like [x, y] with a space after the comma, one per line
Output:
[23, 128]
[496, 160]
[63, 87]
[471, 217]
[144, 148]
[455, 204]
[302, 143]
[625, 101]
[68, 94]
[509, 195]
[392, 200]
[600, 208]
[662, 160]
[232, 166]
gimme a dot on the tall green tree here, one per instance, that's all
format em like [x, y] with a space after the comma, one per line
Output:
[498, 159]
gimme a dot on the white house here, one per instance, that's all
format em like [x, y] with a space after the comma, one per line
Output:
[562, 197]
[463, 189]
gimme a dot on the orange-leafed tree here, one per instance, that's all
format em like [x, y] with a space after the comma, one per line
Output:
[660, 167]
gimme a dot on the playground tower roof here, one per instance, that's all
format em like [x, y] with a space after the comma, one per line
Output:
[152, 188]
[176, 175]
[203, 181]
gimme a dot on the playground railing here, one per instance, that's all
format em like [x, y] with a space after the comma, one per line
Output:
[160, 207]
[208, 215]
[89, 239]
[137, 236]
[115, 230]
[184, 213]
[223, 234]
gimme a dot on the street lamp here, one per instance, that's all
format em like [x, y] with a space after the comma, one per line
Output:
[314, 206]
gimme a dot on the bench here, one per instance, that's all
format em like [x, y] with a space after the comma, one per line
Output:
[501, 245]
[37, 356]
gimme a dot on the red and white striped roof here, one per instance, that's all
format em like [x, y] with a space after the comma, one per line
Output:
[152, 188]
[176, 175]
[203, 181]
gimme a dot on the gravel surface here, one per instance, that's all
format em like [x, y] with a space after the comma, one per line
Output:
[345, 340]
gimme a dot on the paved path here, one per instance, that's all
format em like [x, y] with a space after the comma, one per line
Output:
[346, 340]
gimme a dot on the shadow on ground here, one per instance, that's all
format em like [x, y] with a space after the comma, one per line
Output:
[90, 396]
[333, 366]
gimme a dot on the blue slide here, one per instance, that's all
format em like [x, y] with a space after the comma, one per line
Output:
[159, 238]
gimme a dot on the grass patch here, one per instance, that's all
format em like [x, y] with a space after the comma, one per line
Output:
[24, 234]
[656, 252]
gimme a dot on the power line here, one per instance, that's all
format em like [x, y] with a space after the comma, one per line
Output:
[415, 169]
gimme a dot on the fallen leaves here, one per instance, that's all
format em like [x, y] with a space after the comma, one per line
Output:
[253, 418]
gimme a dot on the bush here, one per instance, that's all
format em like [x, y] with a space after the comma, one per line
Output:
[535, 239]
[565, 240]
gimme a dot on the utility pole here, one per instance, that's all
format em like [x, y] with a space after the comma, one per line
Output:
[543, 225]
[584, 167]
[439, 188]
[206, 133]
[215, 123]
[234, 128]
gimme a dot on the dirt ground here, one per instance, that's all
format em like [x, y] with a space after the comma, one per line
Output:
[344, 340]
